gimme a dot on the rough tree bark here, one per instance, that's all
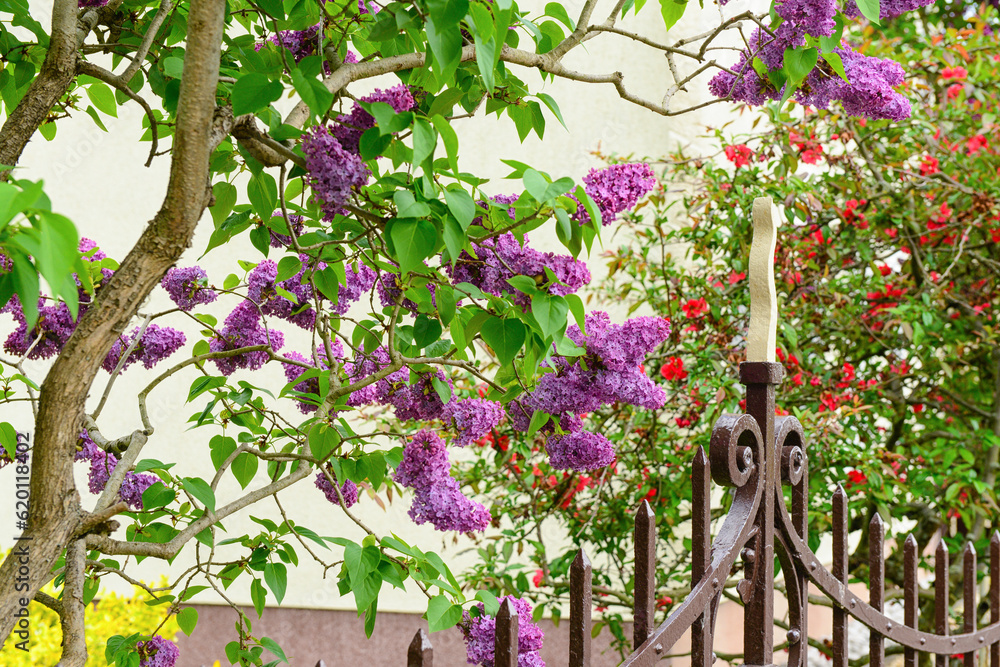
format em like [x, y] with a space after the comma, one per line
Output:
[55, 514]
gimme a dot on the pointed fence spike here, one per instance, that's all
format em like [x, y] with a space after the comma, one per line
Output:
[701, 542]
[840, 555]
[969, 597]
[701, 551]
[505, 638]
[645, 574]
[995, 594]
[910, 591]
[321, 664]
[420, 653]
[876, 586]
[941, 601]
[580, 610]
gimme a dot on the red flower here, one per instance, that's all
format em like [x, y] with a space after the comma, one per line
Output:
[852, 215]
[736, 277]
[959, 73]
[537, 579]
[673, 369]
[954, 90]
[797, 379]
[856, 478]
[664, 601]
[928, 165]
[682, 422]
[812, 155]
[739, 155]
[695, 308]
[976, 143]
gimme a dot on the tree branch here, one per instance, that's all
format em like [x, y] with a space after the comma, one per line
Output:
[55, 512]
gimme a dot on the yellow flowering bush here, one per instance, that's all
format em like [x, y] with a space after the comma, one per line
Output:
[108, 615]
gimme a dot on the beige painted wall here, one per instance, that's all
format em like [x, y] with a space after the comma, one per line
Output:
[99, 181]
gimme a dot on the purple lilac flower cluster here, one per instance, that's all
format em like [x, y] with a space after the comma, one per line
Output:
[610, 372]
[244, 328]
[300, 43]
[501, 258]
[295, 224]
[102, 464]
[365, 365]
[349, 490]
[55, 323]
[616, 189]
[351, 126]
[188, 287]
[156, 344]
[310, 386]
[262, 290]
[333, 171]
[86, 4]
[868, 91]
[479, 636]
[438, 499]
[390, 292]
[359, 282]
[472, 418]
[157, 651]
[48, 337]
[888, 9]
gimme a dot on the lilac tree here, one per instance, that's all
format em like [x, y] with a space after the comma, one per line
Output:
[414, 282]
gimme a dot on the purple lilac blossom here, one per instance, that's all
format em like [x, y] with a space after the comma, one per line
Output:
[500, 259]
[358, 282]
[612, 374]
[156, 344]
[419, 400]
[367, 364]
[479, 636]
[351, 126]
[6, 263]
[296, 224]
[868, 91]
[579, 451]
[243, 328]
[54, 327]
[390, 292]
[86, 4]
[102, 464]
[86, 448]
[187, 287]
[262, 290]
[333, 171]
[310, 386]
[472, 418]
[349, 490]
[157, 651]
[300, 43]
[368, 7]
[888, 9]
[616, 189]
[438, 499]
